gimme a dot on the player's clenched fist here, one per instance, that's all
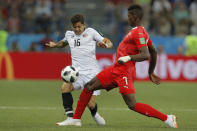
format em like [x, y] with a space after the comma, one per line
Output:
[102, 45]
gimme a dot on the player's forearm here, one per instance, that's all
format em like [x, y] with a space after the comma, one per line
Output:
[143, 55]
[139, 57]
[61, 44]
[153, 60]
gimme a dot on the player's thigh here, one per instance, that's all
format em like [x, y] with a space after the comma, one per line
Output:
[89, 78]
[93, 84]
[125, 84]
[67, 87]
[106, 79]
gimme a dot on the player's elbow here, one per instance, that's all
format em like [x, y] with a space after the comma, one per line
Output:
[153, 52]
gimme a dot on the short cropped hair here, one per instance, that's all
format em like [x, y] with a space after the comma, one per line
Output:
[77, 18]
[136, 10]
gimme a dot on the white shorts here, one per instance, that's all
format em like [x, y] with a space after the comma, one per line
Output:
[82, 80]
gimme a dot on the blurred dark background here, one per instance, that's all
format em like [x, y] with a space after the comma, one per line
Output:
[31, 23]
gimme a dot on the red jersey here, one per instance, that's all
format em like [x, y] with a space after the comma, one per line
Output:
[132, 42]
[123, 75]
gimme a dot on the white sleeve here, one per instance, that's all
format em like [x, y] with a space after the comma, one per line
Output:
[64, 39]
[68, 34]
[97, 36]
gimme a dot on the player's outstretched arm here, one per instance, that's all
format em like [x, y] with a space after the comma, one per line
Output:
[59, 44]
[143, 55]
[153, 59]
[106, 43]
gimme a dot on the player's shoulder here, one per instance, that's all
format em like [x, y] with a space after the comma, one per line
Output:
[138, 29]
[89, 29]
[69, 33]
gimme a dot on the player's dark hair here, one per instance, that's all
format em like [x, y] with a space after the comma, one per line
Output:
[136, 10]
[77, 18]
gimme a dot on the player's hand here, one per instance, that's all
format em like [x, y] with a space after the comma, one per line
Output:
[106, 43]
[102, 44]
[51, 44]
[154, 78]
[124, 59]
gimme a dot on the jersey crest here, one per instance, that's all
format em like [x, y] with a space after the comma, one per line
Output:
[85, 35]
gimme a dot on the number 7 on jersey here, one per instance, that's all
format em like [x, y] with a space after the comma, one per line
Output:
[125, 78]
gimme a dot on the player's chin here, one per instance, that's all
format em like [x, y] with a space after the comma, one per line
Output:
[78, 33]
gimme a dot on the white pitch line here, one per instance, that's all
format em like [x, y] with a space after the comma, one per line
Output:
[26, 108]
[103, 108]
[126, 109]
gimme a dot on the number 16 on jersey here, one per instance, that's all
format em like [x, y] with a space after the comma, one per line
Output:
[77, 42]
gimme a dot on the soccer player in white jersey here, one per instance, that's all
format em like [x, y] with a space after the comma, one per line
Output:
[82, 42]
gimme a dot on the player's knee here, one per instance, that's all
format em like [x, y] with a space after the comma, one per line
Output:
[66, 88]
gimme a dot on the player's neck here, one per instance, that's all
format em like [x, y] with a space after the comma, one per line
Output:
[136, 25]
[81, 32]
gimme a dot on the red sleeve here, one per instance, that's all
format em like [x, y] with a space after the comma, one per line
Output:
[140, 38]
[149, 42]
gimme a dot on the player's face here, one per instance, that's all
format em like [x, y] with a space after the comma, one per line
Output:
[131, 19]
[78, 28]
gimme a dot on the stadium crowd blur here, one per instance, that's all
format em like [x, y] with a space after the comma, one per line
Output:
[162, 17]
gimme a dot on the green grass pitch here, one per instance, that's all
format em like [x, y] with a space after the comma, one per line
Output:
[35, 105]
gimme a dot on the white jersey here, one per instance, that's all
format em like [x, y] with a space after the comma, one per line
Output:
[83, 50]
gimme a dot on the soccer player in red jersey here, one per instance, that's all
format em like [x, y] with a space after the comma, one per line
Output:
[135, 47]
